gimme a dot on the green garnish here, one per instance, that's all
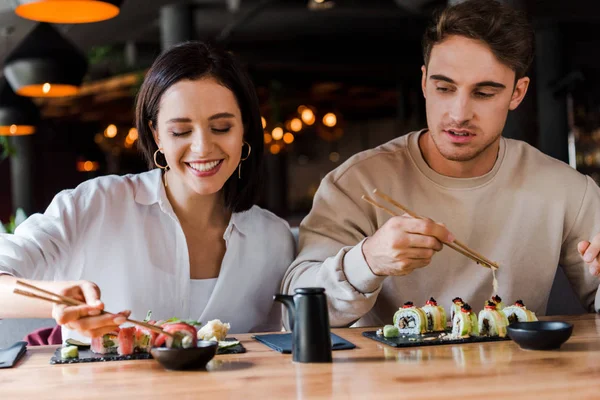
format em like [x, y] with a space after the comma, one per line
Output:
[69, 352]
[191, 322]
[390, 331]
[73, 342]
[228, 343]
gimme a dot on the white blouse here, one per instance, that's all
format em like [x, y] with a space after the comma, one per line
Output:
[121, 233]
[201, 291]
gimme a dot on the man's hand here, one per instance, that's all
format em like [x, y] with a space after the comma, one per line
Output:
[404, 244]
[589, 252]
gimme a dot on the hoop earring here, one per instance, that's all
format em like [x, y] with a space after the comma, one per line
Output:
[156, 162]
[244, 159]
[163, 167]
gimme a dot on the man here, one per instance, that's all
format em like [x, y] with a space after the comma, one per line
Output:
[503, 198]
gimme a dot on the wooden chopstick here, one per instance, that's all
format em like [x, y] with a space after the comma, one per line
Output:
[414, 215]
[465, 253]
[73, 302]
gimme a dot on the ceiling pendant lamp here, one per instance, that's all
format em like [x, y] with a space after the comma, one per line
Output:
[68, 11]
[45, 64]
[18, 115]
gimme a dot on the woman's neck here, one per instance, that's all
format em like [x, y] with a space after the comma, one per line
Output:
[200, 211]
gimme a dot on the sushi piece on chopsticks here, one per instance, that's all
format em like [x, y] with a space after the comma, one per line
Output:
[184, 336]
[491, 321]
[436, 316]
[106, 344]
[519, 313]
[126, 341]
[410, 319]
[464, 323]
[457, 303]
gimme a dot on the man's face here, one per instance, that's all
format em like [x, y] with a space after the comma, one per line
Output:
[468, 95]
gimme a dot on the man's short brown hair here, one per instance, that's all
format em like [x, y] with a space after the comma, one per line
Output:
[504, 29]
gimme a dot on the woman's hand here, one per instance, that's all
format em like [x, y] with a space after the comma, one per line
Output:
[87, 319]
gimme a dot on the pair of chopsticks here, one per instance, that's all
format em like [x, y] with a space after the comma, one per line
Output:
[59, 299]
[456, 245]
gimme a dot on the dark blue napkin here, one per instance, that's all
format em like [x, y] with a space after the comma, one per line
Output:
[10, 355]
[282, 342]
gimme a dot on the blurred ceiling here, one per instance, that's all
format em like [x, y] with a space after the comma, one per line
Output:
[364, 44]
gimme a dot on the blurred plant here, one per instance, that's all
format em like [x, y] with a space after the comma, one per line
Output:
[7, 149]
[14, 221]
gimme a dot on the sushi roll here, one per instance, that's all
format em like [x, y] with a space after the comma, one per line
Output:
[410, 319]
[126, 341]
[519, 313]
[465, 323]
[436, 316]
[497, 300]
[106, 344]
[184, 336]
[144, 339]
[491, 321]
[457, 303]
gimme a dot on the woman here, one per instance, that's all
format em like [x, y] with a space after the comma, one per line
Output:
[184, 239]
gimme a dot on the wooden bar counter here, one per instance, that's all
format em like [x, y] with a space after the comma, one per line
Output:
[372, 371]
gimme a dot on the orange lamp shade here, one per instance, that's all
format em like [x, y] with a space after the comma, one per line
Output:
[17, 130]
[45, 64]
[48, 90]
[18, 115]
[68, 11]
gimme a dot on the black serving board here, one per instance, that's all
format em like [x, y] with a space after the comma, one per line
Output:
[86, 355]
[428, 339]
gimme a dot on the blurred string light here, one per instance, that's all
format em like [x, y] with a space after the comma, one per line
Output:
[132, 136]
[268, 138]
[110, 131]
[296, 125]
[275, 148]
[329, 120]
[308, 116]
[288, 138]
[277, 133]
[264, 122]
[87, 166]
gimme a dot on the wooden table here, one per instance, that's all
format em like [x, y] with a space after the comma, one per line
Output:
[373, 370]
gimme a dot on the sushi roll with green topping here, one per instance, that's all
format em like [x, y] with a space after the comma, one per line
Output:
[436, 316]
[457, 303]
[465, 323]
[491, 321]
[519, 313]
[410, 319]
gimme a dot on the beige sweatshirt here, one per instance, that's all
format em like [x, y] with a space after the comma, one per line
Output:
[527, 214]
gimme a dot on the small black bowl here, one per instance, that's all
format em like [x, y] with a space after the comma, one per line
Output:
[184, 359]
[540, 335]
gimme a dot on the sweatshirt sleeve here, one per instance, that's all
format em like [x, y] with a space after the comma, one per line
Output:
[41, 246]
[330, 253]
[585, 227]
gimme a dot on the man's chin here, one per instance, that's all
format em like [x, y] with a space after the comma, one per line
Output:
[454, 155]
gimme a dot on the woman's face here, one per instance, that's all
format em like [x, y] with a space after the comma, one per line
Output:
[200, 131]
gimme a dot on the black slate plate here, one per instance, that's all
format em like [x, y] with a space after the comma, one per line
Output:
[428, 339]
[86, 355]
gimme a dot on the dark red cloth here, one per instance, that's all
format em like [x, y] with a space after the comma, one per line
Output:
[44, 336]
